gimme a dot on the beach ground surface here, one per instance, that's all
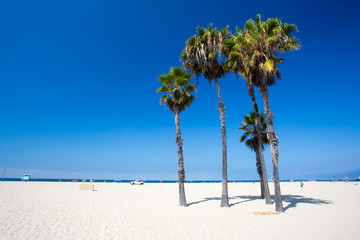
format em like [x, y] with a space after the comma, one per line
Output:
[45, 210]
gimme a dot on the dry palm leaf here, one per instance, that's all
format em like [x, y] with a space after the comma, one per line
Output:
[265, 213]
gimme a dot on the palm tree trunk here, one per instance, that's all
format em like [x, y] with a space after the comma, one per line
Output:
[274, 146]
[262, 187]
[181, 171]
[259, 142]
[221, 109]
[259, 171]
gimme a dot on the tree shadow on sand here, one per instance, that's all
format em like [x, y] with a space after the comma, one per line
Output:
[246, 199]
[292, 200]
[204, 200]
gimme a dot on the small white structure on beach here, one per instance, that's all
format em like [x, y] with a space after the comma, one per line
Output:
[25, 177]
[86, 187]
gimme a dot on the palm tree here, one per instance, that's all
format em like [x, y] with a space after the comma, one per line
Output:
[250, 135]
[266, 40]
[178, 97]
[238, 57]
[203, 54]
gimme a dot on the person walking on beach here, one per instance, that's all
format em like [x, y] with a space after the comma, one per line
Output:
[301, 184]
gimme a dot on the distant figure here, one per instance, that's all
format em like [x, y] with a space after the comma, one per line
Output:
[301, 184]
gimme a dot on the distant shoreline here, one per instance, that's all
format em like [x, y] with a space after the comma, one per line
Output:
[162, 181]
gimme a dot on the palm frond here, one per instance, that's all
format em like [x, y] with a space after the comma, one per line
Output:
[249, 132]
[203, 53]
[269, 65]
[178, 89]
[163, 88]
[262, 42]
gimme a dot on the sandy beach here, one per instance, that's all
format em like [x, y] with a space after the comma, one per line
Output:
[42, 210]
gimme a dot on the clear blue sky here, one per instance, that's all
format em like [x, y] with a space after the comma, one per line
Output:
[78, 84]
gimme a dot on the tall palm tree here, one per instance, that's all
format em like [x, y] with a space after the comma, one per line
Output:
[266, 40]
[204, 54]
[250, 135]
[238, 57]
[177, 88]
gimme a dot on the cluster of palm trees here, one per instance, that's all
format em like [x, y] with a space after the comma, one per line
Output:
[252, 52]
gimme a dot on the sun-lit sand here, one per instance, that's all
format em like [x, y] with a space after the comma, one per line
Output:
[39, 210]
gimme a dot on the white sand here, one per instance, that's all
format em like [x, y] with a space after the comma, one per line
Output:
[38, 210]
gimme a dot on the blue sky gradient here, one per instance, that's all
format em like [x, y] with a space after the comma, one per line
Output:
[78, 84]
